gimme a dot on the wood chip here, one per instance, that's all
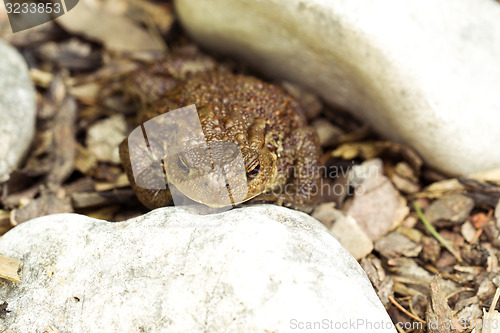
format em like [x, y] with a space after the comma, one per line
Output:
[372, 149]
[104, 137]
[64, 149]
[484, 193]
[85, 161]
[81, 185]
[41, 78]
[404, 178]
[10, 268]
[439, 316]
[47, 203]
[455, 186]
[88, 199]
[5, 224]
[121, 181]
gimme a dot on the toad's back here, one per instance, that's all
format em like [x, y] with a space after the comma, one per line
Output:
[266, 124]
[236, 100]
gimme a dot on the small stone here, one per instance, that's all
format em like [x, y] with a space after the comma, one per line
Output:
[368, 169]
[105, 136]
[17, 110]
[468, 231]
[395, 244]
[352, 236]
[345, 229]
[254, 269]
[377, 206]
[420, 72]
[455, 208]
[486, 290]
[325, 213]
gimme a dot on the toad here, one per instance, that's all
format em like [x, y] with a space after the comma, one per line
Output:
[249, 140]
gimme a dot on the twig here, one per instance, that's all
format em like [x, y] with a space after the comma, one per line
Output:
[495, 300]
[433, 231]
[400, 330]
[400, 307]
[459, 291]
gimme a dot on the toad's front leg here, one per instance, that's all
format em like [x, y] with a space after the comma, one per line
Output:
[299, 173]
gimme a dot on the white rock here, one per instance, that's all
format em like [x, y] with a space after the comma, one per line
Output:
[261, 268]
[421, 72]
[17, 110]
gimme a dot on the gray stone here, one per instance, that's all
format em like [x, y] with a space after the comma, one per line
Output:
[421, 72]
[255, 269]
[395, 244]
[455, 208]
[17, 110]
[376, 206]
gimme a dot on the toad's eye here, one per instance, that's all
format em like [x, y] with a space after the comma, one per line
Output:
[253, 169]
[183, 165]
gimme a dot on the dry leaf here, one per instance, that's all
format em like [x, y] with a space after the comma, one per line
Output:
[90, 20]
[369, 150]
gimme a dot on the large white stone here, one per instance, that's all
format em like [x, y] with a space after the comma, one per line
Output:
[17, 109]
[422, 72]
[256, 269]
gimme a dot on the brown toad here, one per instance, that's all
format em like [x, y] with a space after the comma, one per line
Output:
[253, 140]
